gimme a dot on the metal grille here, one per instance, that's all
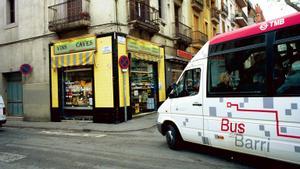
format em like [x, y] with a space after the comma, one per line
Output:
[215, 13]
[68, 11]
[141, 11]
[183, 32]
[199, 37]
[224, 9]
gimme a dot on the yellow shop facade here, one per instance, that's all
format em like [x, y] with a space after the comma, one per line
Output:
[86, 79]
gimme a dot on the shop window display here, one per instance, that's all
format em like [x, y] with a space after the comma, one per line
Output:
[143, 86]
[78, 91]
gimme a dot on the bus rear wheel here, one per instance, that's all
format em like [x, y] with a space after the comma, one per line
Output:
[173, 138]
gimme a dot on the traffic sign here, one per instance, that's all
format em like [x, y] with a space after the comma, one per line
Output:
[124, 62]
[25, 69]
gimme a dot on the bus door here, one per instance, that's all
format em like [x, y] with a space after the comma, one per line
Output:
[186, 104]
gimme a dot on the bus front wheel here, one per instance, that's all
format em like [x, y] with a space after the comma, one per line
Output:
[173, 138]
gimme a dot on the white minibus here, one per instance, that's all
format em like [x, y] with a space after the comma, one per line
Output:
[241, 92]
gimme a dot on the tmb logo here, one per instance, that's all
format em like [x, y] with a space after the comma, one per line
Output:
[271, 24]
[263, 26]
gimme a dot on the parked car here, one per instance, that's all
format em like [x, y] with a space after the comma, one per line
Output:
[2, 112]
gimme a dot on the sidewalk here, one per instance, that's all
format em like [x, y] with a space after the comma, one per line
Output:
[138, 123]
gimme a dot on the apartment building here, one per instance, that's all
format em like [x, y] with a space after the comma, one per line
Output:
[202, 26]
[60, 58]
[24, 40]
[227, 13]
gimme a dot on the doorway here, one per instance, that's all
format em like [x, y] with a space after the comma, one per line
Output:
[14, 94]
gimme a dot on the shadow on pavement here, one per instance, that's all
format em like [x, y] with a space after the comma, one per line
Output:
[244, 159]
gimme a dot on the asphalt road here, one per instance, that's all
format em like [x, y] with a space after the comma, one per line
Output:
[41, 149]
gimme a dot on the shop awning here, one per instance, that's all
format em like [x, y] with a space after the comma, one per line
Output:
[146, 57]
[73, 59]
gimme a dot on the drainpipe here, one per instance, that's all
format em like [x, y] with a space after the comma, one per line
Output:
[116, 10]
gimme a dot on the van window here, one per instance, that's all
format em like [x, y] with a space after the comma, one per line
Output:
[288, 32]
[286, 74]
[254, 40]
[237, 73]
[188, 84]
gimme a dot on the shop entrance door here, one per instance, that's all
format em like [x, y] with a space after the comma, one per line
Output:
[144, 86]
[14, 94]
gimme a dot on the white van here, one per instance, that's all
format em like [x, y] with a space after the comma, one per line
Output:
[241, 92]
[2, 112]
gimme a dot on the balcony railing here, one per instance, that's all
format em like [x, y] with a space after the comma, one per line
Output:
[183, 33]
[70, 14]
[144, 17]
[197, 5]
[241, 18]
[215, 15]
[199, 37]
[241, 3]
[224, 10]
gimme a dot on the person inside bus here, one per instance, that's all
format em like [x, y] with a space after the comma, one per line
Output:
[258, 82]
[259, 65]
[291, 84]
[224, 85]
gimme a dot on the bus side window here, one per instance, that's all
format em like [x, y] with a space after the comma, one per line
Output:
[286, 73]
[238, 72]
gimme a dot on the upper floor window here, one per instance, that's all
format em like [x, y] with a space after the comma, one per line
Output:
[208, 2]
[160, 8]
[10, 12]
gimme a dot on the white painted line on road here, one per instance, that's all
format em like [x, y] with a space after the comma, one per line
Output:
[61, 133]
[10, 157]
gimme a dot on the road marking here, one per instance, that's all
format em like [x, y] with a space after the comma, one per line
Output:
[10, 157]
[61, 133]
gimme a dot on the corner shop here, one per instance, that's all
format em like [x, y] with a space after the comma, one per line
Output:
[87, 80]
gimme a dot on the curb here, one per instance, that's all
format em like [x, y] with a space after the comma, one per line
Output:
[79, 130]
[88, 128]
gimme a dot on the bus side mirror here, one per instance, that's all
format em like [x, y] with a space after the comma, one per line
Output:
[173, 93]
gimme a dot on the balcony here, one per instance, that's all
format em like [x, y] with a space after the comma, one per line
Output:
[215, 16]
[71, 14]
[224, 10]
[183, 33]
[197, 5]
[241, 18]
[241, 3]
[143, 17]
[199, 38]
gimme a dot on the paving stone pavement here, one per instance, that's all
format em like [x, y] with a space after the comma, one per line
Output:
[140, 122]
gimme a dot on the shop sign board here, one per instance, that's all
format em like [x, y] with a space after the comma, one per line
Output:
[106, 49]
[143, 47]
[75, 45]
[184, 54]
[121, 40]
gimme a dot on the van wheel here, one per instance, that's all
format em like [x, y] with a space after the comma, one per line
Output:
[173, 138]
